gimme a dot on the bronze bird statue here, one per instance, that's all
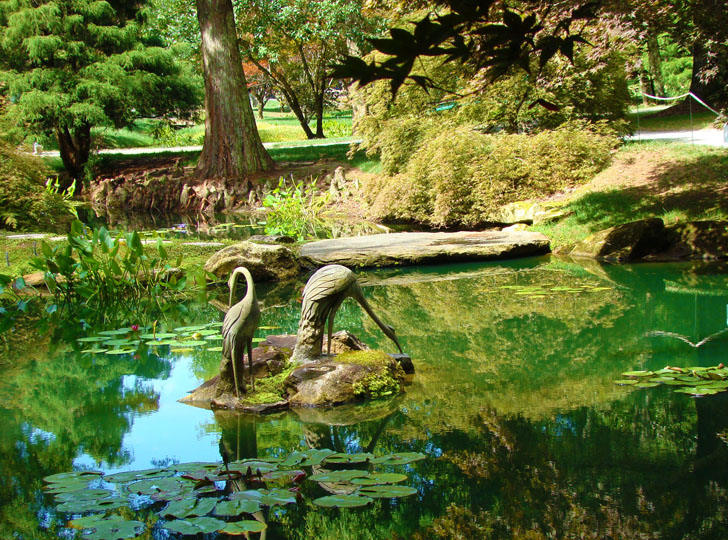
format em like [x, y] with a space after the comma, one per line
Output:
[239, 326]
[324, 293]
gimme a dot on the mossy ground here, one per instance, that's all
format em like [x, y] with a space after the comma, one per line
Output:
[382, 381]
[269, 389]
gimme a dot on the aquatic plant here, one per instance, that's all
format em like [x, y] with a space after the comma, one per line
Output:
[295, 210]
[96, 270]
[695, 381]
[232, 498]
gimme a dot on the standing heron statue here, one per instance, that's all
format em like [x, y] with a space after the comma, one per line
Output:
[324, 293]
[239, 326]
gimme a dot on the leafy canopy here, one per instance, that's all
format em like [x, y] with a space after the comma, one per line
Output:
[69, 64]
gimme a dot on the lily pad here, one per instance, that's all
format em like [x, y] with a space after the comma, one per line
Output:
[81, 507]
[145, 474]
[72, 476]
[188, 508]
[337, 476]
[115, 530]
[242, 528]
[237, 507]
[190, 328]
[91, 339]
[195, 343]
[316, 457]
[91, 521]
[626, 382]
[95, 350]
[214, 349]
[83, 495]
[117, 352]
[152, 486]
[192, 526]
[216, 337]
[640, 373]
[342, 501]
[379, 478]
[385, 492]
[348, 458]
[400, 458]
[266, 497]
[118, 332]
[158, 335]
[647, 384]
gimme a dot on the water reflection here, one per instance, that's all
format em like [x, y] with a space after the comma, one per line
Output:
[513, 401]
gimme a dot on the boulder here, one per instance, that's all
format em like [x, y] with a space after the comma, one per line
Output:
[266, 262]
[530, 212]
[651, 240]
[349, 377]
[696, 240]
[623, 243]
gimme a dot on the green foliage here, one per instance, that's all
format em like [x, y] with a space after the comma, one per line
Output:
[295, 210]
[95, 271]
[461, 177]
[71, 65]
[24, 201]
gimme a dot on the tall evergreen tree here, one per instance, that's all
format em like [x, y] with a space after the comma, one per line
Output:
[70, 65]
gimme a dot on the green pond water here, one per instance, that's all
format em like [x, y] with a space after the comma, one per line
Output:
[513, 403]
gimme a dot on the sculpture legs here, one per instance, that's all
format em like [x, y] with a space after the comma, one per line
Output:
[250, 364]
[234, 362]
[332, 314]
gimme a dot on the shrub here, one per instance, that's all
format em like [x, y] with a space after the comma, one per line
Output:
[461, 177]
[25, 203]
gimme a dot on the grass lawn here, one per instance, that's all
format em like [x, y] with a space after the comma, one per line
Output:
[676, 182]
[647, 120]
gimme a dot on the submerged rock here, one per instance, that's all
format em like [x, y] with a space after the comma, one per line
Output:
[266, 262]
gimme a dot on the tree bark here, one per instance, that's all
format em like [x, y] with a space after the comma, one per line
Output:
[232, 145]
[75, 149]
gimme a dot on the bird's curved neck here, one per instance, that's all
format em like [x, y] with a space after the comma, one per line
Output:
[250, 292]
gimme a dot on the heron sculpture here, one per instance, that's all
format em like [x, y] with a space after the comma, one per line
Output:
[324, 293]
[239, 326]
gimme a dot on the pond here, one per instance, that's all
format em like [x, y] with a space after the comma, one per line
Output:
[513, 403]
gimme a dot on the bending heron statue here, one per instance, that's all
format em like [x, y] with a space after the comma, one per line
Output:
[239, 326]
[324, 293]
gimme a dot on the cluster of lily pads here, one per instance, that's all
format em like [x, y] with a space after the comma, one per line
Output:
[539, 291]
[202, 498]
[695, 381]
[181, 340]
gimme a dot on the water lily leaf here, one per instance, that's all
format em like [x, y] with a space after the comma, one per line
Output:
[115, 530]
[337, 476]
[207, 333]
[237, 507]
[647, 385]
[95, 350]
[293, 459]
[285, 475]
[348, 458]
[316, 457]
[258, 340]
[130, 476]
[92, 339]
[91, 521]
[193, 526]
[381, 492]
[400, 458]
[153, 486]
[182, 350]
[379, 478]
[626, 381]
[242, 528]
[117, 352]
[81, 507]
[188, 508]
[216, 337]
[170, 342]
[158, 335]
[214, 349]
[342, 501]
[191, 328]
[83, 495]
[195, 343]
[120, 342]
[268, 327]
[640, 373]
[194, 466]
[66, 477]
[266, 497]
[255, 466]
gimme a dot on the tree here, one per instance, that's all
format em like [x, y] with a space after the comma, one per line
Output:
[232, 145]
[70, 65]
[299, 39]
[260, 84]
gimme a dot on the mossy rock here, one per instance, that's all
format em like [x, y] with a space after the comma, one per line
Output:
[350, 377]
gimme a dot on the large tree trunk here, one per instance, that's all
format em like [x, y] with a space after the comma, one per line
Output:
[232, 145]
[75, 149]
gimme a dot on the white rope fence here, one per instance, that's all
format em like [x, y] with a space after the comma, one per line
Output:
[683, 96]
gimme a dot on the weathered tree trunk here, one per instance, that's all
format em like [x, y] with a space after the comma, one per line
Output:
[232, 145]
[653, 54]
[75, 149]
